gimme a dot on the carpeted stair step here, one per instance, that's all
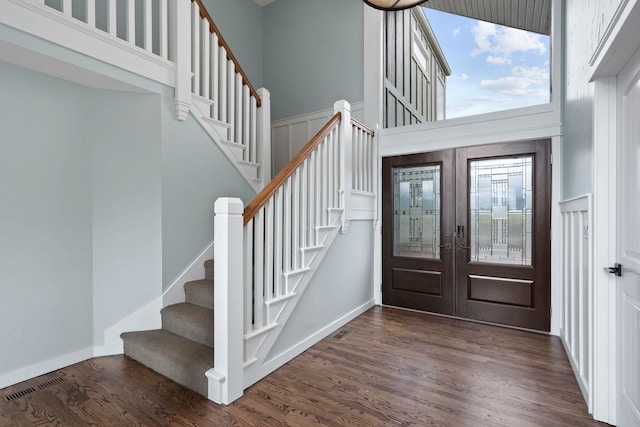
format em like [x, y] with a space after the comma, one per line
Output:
[189, 321]
[199, 292]
[208, 269]
[178, 358]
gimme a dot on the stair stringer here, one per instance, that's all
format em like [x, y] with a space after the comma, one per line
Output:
[219, 132]
[258, 343]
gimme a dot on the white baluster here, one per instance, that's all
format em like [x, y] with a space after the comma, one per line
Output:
[206, 63]
[66, 7]
[253, 133]
[346, 160]
[231, 87]
[277, 243]
[238, 115]
[295, 223]
[163, 29]
[263, 134]
[313, 177]
[91, 12]
[131, 21]
[112, 27]
[148, 26]
[268, 251]
[288, 225]
[336, 172]
[329, 177]
[258, 265]
[248, 276]
[195, 47]
[304, 211]
[223, 85]
[324, 191]
[246, 121]
[215, 74]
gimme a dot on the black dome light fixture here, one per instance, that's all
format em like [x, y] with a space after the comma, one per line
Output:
[393, 4]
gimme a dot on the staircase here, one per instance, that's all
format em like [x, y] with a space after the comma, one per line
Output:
[183, 349]
[266, 255]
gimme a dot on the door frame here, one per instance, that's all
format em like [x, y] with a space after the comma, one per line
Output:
[615, 49]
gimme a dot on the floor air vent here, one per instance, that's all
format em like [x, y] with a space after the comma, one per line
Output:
[50, 383]
[30, 390]
[19, 394]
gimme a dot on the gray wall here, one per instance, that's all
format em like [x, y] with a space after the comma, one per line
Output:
[342, 283]
[195, 172]
[241, 24]
[579, 45]
[313, 54]
[124, 132]
[45, 219]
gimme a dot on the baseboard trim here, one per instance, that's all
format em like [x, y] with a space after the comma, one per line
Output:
[316, 337]
[195, 271]
[28, 372]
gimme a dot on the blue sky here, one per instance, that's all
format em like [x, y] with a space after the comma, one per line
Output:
[492, 67]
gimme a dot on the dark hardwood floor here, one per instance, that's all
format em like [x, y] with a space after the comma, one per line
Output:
[386, 368]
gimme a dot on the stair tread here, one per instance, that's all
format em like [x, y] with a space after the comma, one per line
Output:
[189, 321]
[199, 292]
[178, 358]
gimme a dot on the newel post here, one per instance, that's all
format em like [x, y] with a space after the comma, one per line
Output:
[346, 160]
[264, 135]
[180, 54]
[226, 379]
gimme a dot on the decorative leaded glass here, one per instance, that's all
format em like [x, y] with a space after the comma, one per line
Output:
[416, 212]
[501, 192]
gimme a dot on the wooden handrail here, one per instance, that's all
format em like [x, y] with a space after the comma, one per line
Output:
[222, 42]
[362, 127]
[278, 181]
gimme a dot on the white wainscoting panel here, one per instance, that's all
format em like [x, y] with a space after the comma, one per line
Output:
[577, 279]
[289, 135]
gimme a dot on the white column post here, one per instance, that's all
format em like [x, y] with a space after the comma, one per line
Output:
[264, 135]
[180, 53]
[346, 160]
[226, 379]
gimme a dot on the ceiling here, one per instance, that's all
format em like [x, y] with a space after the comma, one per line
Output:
[529, 15]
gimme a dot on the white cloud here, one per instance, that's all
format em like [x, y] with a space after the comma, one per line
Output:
[456, 32]
[462, 76]
[523, 82]
[500, 43]
[498, 60]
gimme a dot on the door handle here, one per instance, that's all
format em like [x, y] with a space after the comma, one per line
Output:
[461, 246]
[616, 269]
[447, 246]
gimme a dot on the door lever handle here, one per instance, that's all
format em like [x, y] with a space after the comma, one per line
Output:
[447, 246]
[616, 269]
[461, 246]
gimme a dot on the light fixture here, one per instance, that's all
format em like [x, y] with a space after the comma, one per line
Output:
[393, 4]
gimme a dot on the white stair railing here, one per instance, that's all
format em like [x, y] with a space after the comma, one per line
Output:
[174, 42]
[288, 228]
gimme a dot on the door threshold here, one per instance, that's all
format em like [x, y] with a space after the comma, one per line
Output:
[482, 322]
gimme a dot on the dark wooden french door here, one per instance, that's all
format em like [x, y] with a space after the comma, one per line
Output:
[466, 232]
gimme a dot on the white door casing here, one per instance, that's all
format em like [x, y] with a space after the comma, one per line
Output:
[628, 250]
[619, 43]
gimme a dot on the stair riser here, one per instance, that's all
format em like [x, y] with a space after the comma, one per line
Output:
[199, 330]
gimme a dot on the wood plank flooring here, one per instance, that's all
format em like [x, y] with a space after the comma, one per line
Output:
[386, 368]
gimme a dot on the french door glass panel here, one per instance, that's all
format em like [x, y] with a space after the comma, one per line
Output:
[416, 211]
[501, 211]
